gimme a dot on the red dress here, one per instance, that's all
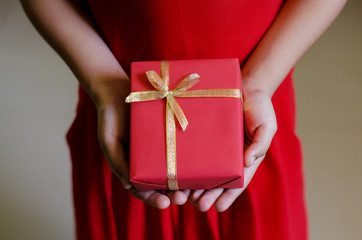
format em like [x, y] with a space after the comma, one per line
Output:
[272, 207]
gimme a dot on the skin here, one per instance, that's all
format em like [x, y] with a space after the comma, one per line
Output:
[68, 30]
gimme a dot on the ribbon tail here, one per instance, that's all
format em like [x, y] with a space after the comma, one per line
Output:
[176, 109]
[171, 149]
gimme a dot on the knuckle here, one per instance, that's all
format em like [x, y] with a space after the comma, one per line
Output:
[275, 127]
[272, 126]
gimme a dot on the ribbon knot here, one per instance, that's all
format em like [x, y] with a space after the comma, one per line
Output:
[163, 91]
[161, 84]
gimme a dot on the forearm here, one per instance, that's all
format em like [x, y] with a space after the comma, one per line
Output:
[298, 25]
[69, 31]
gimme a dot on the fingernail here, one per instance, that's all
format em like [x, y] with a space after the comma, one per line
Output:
[253, 158]
[126, 185]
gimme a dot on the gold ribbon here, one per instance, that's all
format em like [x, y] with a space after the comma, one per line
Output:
[173, 108]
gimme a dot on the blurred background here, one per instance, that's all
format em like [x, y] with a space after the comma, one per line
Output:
[37, 104]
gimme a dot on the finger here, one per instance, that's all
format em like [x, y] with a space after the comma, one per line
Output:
[152, 198]
[208, 199]
[195, 195]
[177, 197]
[186, 192]
[230, 195]
[227, 198]
[260, 143]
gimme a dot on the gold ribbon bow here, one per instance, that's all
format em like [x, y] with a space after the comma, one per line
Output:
[172, 107]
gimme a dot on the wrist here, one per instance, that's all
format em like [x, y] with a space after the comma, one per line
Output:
[257, 78]
[252, 87]
[106, 91]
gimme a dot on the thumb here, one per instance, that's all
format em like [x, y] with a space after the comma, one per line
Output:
[110, 137]
[117, 161]
[260, 143]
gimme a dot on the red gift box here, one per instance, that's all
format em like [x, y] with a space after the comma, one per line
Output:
[209, 153]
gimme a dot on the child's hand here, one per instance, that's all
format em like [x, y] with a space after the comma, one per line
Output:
[260, 127]
[113, 135]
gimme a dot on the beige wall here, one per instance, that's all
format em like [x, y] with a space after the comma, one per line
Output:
[37, 99]
[37, 102]
[328, 82]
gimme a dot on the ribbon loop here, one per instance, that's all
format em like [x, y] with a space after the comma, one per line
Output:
[156, 81]
[188, 82]
[174, 109]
